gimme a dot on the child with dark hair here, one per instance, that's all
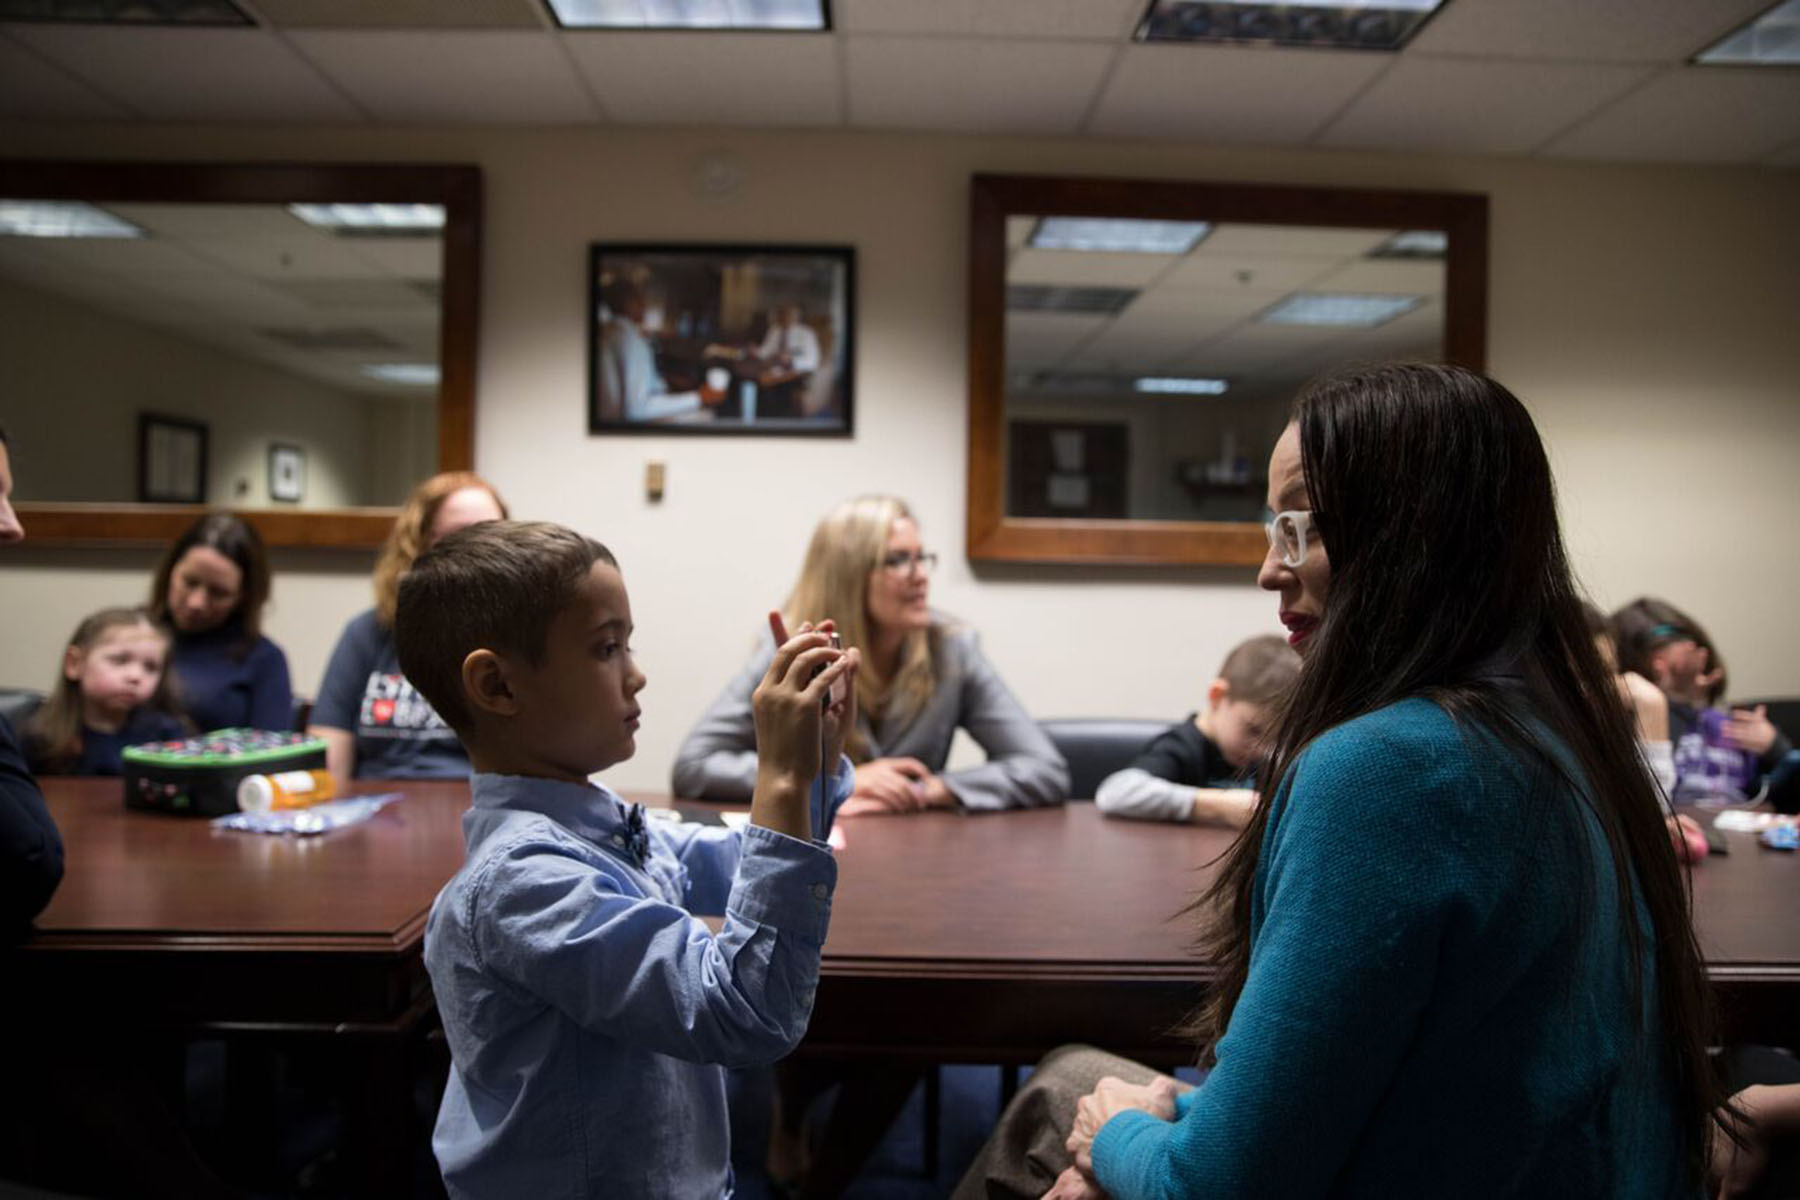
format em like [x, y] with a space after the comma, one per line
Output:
[591, 1015]
[1719, 755]
[112, 693]
[1197, 770]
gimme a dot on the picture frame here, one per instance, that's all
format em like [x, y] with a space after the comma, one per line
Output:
[719, 339]
[287, 472]
[171, 459]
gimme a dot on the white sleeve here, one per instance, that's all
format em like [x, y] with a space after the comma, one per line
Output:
[1141, 796]
[1660, 758]
[803, 349]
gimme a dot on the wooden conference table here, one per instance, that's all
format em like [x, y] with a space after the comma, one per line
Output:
[976, 938]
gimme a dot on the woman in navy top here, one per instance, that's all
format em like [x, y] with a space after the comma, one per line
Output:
[209, 592]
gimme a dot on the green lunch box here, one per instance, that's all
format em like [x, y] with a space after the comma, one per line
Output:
[199, 776]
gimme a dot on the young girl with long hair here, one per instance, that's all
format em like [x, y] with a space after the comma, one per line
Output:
[112, 692]
[375, 724]
[209, 591]
[921, 678]
[1452, 948]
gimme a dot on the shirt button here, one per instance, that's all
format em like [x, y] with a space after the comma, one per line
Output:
[617, 840]
[820, 891]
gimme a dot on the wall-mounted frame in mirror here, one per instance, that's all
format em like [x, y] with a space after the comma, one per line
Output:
[1135, 347]
[330, 309]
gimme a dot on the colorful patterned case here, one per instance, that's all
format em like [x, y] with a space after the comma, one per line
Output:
[198, 776]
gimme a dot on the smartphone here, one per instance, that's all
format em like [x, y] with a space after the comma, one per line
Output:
[835, 693]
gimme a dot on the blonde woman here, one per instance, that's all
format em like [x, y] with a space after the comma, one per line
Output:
[373, 722]
[921, 678]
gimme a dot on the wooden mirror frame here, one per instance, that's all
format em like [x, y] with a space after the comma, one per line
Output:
[995, 537]
[457, 188]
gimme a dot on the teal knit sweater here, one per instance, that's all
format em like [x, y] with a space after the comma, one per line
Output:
[1438, 1001]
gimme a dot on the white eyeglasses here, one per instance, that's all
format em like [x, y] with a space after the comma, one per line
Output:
[1287, 535]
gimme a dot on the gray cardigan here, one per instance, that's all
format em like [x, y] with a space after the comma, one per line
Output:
[718, 758]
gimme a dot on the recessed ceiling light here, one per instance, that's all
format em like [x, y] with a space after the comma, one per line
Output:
[414, 374]
[1773, 39]
[385, 220]
[1037, 297]
[126, 12]
[1168, 385]
[1118, 235]
[61, 219]
[1347, 24]
[1415, 244]
[1339, 308]
[784, 15]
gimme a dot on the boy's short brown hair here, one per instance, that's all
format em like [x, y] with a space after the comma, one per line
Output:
[497, 586]
[1260, 670]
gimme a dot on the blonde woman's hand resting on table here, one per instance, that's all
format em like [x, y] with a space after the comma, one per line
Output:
[896, 785]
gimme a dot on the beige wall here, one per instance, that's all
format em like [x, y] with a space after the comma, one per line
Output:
[1645, 314]
[77, 378]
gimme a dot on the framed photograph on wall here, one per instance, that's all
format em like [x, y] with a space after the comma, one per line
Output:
[287, 473]
[708, 339]
[171, 460]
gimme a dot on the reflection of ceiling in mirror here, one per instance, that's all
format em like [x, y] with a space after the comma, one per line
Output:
[257, 282]
[1204, 313]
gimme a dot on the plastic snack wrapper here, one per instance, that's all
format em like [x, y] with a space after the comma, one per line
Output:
[318, 818]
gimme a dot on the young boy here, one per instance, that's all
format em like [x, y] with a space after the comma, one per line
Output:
[590, 1016]
[1190, 771]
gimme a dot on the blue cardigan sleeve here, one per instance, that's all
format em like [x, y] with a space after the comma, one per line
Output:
[1370, 853]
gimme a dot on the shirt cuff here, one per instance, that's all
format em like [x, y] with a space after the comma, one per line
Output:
[1126, 1150]
[784, 883]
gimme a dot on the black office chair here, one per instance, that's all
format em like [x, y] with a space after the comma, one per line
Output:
[18, 704]
[1784, 711]
[1095, 747]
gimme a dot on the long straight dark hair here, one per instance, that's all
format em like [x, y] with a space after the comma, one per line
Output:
[1431, 492]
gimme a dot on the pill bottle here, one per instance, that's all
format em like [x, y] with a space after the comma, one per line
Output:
[286, 789]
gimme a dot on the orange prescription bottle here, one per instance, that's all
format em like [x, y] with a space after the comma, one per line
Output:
[286, 789]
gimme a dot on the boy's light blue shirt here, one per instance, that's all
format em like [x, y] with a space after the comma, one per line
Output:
[590, 1015]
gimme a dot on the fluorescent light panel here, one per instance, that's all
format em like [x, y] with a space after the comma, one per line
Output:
[414, 374]
[371, 218]
[1347, 24]
[1339, 308]
[1414, 244]
[1118, 235]
[1773, 39]
[1169, 385]
[789, 15]
[61, 219]
[125, 12]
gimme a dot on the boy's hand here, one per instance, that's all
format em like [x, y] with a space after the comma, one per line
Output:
[840, 717]
[789, 704]
[1751, 729]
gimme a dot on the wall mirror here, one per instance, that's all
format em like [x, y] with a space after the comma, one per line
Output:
[294, 343]
[1134, 348]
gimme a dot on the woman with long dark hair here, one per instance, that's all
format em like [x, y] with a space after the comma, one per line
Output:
[1452, 948]
[209, 591]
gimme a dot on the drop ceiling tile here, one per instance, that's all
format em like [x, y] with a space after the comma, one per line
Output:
[1230, 271]
[32, 87]
[711, 78]
[1036, 339]
[1285, 241]
[181, 222]
[302, 255]
[1099, 19]
[193, 74]
[973, 85]
[121, 256]
[1087, 268]
[227, 300]
[1384, 275]
[407, 258]
[463, 77]
[1230, 93]
[1593, 30]
[1693, 114]
[1462, 106]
